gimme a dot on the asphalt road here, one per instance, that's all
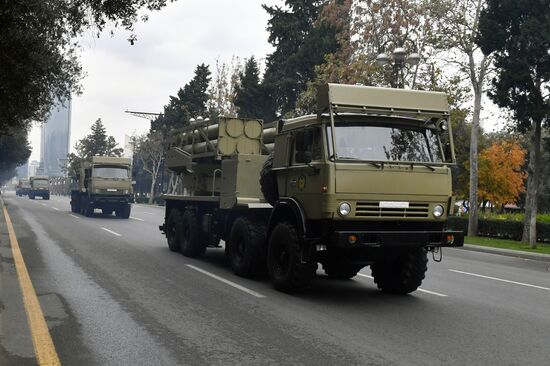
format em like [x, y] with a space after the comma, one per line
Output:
[113, 293]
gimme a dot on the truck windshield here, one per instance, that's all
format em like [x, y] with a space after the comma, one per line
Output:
[383, 143]
[110, 172]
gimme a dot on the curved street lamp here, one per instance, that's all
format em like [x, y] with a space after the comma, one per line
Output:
[398, 59]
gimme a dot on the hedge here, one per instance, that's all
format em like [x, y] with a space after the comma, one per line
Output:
[502, 229]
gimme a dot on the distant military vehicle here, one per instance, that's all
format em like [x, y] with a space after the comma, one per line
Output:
[39, 187]
[23, 187]
[103, 183]
[365, 181]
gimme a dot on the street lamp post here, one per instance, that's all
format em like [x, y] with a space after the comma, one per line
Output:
[398, 60]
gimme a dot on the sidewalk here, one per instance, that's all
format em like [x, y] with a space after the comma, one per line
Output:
[508, 252]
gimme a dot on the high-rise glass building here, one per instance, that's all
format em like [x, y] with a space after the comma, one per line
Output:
[56, 134]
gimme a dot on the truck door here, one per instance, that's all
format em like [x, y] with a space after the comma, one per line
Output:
[304, 178]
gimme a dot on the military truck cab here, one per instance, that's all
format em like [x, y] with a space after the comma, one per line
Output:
[103, 183]
[39, 187]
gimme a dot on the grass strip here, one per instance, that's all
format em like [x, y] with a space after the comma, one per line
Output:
[507, 244]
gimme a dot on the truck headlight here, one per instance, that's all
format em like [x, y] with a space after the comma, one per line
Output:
[98, 191]
[344, 209]
[438, 211]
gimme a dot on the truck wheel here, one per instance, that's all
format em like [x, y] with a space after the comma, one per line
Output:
[191, 245]
[47, 197]
[74, 207]
[123, 211]
[31, 196]
[106, 211]
[284, 260]
[341, 271]
[246, 247]
[173, 230]
[268, 181]
[87, 209]
[403, 274]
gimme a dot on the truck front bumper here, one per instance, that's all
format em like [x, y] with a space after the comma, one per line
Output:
[105, 199]
[429, 239]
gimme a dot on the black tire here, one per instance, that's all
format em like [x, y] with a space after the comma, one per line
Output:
[123, 211]
[173, 230]
[106, 211]
[31, 196]
[402, 274]
[268, 181]
[246, 247]
[286, 269]
[47, 197]
[86, 208]
[341, 271]
[191, 243]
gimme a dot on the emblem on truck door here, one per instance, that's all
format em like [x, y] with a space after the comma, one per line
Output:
[302, 182]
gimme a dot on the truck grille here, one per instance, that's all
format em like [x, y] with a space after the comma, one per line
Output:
[373, 209]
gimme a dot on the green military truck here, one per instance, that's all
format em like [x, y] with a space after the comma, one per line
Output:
[364, 182]
[103, 183]
[39, 187]
[23, 187]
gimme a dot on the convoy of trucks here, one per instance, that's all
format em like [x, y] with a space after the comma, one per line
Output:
[103, 183]
[364, 182]
[39, 187]
[23, 187]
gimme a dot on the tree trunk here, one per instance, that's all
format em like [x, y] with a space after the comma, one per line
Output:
[152, 192]
[535, 158]
[474, 206]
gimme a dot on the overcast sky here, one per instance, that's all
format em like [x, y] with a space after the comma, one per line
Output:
[170, 45]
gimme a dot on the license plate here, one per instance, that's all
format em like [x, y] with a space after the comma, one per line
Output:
[111, 190]
[393, 204]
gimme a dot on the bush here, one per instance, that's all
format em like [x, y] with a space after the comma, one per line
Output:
[499, 228]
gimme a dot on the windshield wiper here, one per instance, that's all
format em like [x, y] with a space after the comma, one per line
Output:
[377, 165]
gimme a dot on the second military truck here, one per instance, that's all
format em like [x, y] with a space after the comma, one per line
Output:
[39, 187]
[103, 183]
[364, 182]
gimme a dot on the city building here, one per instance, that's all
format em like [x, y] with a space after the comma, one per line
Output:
[33, 168]
[56, 134]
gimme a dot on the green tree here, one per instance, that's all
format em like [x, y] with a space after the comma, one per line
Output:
[14, 151]
[250, 97]
[38, 51]
[96, 143]
[518, 34]
[191, 101]
[301, 42]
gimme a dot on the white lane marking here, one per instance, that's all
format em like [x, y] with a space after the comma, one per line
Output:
[500, 279]
[135, 218]
[76, 217]
[43, 204]
[55, 208]
[227, 282]
[110, 231]
[148, 213]
[419, 289]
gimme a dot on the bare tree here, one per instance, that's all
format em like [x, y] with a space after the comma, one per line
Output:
[454, 37]
[150, 152]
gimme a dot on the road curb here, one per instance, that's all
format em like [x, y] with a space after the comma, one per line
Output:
[507, 252]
